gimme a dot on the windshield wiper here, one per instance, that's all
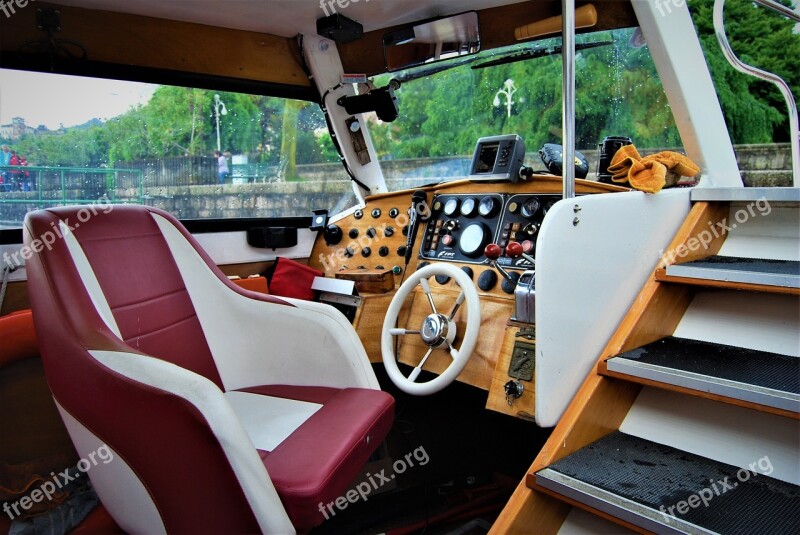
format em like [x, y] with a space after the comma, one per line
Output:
[422, 72]
[537, 53]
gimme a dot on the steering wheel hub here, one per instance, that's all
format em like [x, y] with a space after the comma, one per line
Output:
[437, 331]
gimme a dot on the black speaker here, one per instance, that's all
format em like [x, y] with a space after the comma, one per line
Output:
[339, 28]
[272, 237]
[608, 148]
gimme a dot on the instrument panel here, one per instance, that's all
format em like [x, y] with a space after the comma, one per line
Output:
[462, 225]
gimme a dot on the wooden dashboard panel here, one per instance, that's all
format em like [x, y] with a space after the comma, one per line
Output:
[489, 365]
[332, 258]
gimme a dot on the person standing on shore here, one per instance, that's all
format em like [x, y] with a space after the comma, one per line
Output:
[223, 171]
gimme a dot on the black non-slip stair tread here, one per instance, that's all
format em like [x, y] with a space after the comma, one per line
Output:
[658, 477]
[747, 366]
[735, 269]
[738, 263]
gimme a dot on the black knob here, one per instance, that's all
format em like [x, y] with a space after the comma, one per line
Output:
[379, 267]
[531, 229]
[376, 213]
[371, 232]
[442, 279]
[487, 280]
[366, 251]
[349, 253]
[514, 390]
[394, 212]
[353, 233]
[468, 271]
[383, 251]
[405, 230]
[401, 251]
[332, 235]
[507, 285]
[358, 214]
[423, 264]
[388, 232]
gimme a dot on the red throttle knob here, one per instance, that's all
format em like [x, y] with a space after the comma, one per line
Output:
[492, 251]
[514, 249]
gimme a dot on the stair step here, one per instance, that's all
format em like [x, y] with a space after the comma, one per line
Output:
[754, 377]
[736, 272]
[663, 489]
[790, 195]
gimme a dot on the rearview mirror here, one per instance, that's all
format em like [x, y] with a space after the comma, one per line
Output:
[436, 40]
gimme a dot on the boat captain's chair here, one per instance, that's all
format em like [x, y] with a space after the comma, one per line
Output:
[196, 405]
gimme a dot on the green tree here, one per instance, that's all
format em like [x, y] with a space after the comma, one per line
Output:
[754, 110]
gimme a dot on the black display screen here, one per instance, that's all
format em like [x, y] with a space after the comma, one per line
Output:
[486, 158]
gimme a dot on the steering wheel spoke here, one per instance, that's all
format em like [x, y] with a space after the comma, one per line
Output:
[436, 332]
[416, 371]
[458, 304]
[402, 332]
[427, 289]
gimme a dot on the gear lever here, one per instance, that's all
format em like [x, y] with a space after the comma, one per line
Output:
[493, 252]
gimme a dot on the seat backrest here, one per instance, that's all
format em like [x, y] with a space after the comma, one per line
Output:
[104, 280]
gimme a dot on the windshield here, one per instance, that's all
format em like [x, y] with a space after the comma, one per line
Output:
[442, 115]
[197, 153]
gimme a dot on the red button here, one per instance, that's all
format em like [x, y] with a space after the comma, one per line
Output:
[527, 246]
[448, 240]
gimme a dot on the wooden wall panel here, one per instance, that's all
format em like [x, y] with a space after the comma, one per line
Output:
[163, 44]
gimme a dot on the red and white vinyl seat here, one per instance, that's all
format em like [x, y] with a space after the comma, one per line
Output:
[226, 411]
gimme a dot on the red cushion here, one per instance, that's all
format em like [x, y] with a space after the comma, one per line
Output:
[293, 279]
[319, 461]
[254, 284]
[18, 338]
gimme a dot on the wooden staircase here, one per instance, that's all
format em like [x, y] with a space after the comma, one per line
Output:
[689, 421]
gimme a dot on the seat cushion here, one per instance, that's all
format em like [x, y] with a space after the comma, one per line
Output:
[318, 462]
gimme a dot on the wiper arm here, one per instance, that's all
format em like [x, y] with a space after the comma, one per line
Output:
[422, 72]
[537, 53]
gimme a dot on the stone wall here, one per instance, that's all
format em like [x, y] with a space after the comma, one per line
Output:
[326, 187]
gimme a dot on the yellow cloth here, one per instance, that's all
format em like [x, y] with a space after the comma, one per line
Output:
[651, 173]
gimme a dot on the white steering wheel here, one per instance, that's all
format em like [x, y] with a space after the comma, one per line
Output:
[437, 330]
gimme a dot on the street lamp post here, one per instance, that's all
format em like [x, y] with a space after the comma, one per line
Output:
[217, 104]
[508, 90]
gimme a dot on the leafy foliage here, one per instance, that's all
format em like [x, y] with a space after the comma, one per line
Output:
[618, 93]
[754, 110]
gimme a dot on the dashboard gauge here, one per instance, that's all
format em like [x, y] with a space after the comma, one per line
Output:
[451, 206]
[473, 240]
[488, 206]
[530, 207]
[469, 207]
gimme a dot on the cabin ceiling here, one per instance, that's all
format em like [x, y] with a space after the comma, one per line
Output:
[287, 18]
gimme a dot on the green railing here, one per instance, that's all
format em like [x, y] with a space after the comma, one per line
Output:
[73, 185]
[44, 187]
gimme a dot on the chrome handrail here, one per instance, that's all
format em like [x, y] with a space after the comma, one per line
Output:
[568, 102]
[739, 65]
